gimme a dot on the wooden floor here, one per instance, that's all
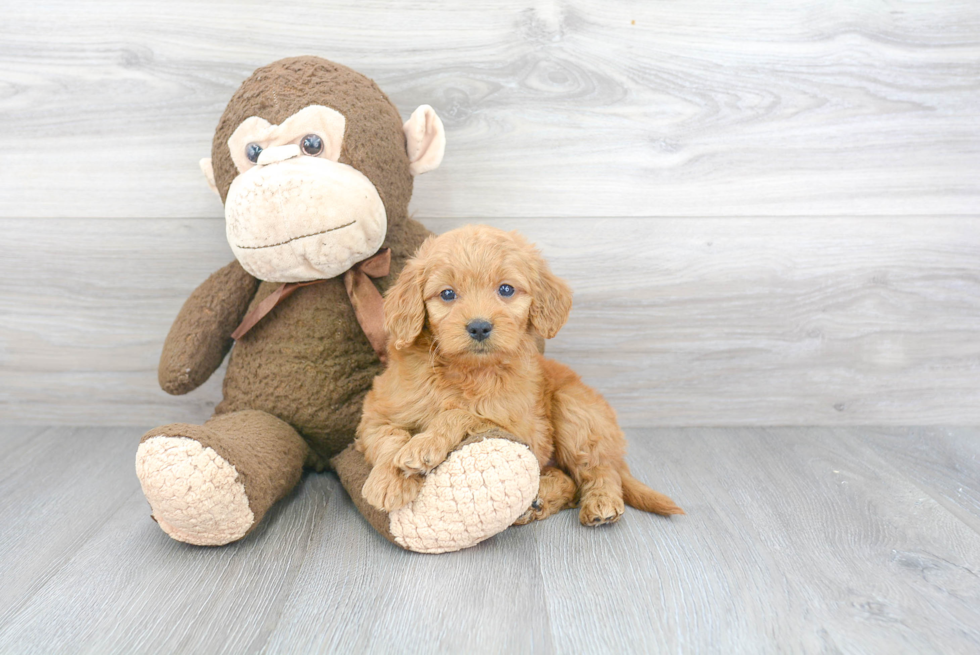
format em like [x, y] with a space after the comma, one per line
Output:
[859, 540]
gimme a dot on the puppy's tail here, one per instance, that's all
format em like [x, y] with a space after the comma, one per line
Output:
[638, 495]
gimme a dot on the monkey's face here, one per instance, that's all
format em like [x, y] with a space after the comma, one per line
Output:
[310, 197]
[294, 213]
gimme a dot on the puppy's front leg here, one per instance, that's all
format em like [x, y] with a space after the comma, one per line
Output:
[387, 487]
[429, 449]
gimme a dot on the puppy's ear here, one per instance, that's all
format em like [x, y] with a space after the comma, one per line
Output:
[405, 307]
[552, 301]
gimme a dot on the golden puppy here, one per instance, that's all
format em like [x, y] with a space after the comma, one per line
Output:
[462, 323]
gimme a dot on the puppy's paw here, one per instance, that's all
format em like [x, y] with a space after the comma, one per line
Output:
[599, 508]
[542, 508]
[556, 491]
[388, 489]
[422, 453]
[533, 513]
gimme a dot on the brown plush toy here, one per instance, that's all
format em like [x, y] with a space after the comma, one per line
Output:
[315, 169]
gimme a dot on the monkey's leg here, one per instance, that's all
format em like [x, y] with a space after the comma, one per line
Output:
[211, 484]
[481, 488]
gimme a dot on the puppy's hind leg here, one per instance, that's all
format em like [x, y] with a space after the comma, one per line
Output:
[556, 491]
[589, 445]
[601, 491]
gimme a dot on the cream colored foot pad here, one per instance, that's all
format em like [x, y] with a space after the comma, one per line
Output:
[195, 495]
[480, 490]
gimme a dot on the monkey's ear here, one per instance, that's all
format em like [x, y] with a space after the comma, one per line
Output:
[405, 307]
[208, 171]
[425, 140]
[551, 301]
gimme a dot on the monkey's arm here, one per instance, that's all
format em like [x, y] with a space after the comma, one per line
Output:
[201, 334]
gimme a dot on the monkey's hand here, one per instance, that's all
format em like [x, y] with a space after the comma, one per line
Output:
[200, 337]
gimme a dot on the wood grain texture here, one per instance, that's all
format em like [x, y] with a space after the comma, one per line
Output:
[572, 108]
[943, 462]
[677, 321]
[376, 598]
[108, 580]
[78, 303]
[57, 490]
[796, 540]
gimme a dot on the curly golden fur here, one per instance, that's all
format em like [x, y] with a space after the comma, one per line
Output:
[462, 323]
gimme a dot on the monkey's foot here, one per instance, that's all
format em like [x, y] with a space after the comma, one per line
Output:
[482, 488]
[195, 495]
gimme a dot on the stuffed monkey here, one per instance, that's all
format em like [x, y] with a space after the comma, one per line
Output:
[315, 169]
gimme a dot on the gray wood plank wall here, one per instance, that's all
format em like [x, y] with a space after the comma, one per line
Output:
[769, 213]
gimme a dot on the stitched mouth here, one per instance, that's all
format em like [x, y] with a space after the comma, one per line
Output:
[303, 236]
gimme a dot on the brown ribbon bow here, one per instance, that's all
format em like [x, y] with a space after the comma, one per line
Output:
[364, 297]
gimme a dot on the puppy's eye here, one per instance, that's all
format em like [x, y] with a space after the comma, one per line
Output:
[252, 152]
[447, 295]
[505, 290]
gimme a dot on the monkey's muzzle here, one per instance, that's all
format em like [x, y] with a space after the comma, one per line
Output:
[293, 218]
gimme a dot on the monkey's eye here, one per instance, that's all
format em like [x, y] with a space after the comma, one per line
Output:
[505, 290]
[312, 145]
[448, 295]
[252, 151]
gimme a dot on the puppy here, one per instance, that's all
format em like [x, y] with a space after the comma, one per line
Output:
[463, 321]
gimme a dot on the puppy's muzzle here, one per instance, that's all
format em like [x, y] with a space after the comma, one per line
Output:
[479, 329]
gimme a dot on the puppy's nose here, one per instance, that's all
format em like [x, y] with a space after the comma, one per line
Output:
[479, 329]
